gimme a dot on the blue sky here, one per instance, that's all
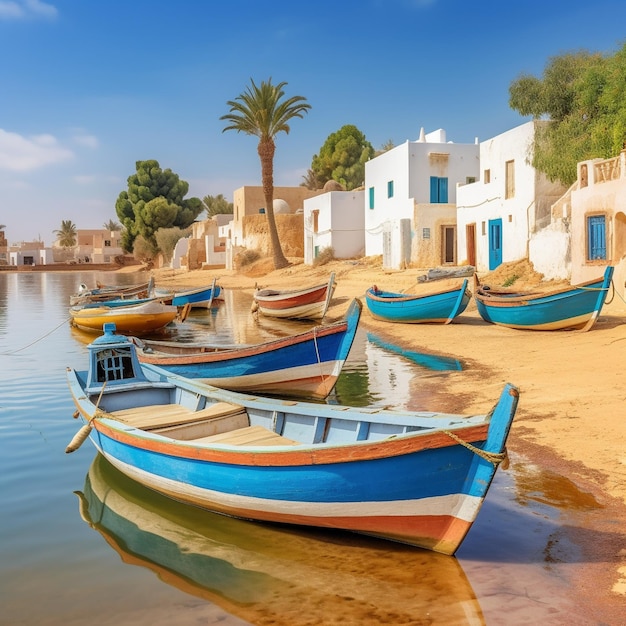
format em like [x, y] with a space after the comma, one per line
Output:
[89, 87]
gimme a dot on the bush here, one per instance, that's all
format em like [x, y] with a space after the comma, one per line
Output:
[246, 257]
[325, 256]
[167, 238]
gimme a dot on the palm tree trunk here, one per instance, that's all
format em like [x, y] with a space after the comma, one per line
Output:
[266, 151]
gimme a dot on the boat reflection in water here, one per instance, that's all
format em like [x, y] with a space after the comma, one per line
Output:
[429, 361]
[270, 574]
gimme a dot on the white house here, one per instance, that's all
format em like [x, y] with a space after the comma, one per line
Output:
[334, 220]
[410, 200]
[498, 214]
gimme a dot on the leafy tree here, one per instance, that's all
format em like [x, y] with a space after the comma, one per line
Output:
[167, 238]
[155, 199]
[66, 235]
[583, 95]
[263, 111]
[112, 225]
[342, 158]
[216, 205]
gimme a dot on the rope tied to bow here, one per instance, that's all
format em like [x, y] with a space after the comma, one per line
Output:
[496, 458]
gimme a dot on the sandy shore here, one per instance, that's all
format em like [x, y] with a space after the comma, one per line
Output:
[572, 415]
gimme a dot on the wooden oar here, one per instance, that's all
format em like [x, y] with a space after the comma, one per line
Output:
[83, 433]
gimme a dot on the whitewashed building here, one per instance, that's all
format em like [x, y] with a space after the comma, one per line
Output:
[334, 220]
[498, 215]
[410, 200]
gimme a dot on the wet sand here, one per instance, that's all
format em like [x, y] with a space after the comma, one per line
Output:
[572, 415]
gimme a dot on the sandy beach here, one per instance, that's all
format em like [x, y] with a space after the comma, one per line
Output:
[572, 412]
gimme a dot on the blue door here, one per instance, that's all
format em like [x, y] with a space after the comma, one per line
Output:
[495, 243]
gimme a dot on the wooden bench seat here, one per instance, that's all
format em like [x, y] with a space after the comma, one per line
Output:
[249, 436]
[165, 415]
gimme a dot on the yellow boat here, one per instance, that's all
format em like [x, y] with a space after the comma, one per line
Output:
[137, 319]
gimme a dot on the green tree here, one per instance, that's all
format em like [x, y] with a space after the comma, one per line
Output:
[263, 111]
[66, 235]
[112, 225]
[216, 205]
[155, 199]
[342, 158]
[167, 238]
[583, 96]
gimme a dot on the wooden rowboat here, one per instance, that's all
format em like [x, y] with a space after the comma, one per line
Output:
[414, 477]
[570, 308]
[308, 303]
[200, 298]
[103, 293]
[304, 365]
[434, 307]
[136, 319]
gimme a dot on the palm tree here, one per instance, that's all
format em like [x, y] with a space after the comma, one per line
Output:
[112, 225]
[66, 235]
[262, 112]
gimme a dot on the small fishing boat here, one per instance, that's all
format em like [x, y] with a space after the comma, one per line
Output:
[434, 307]
[102, 293]
[304, 365]
[570, 308]
[255, 571]
[136, 319]
[307, 303]
[418, 478]
[200, 298]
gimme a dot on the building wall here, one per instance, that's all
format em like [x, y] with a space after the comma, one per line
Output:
[334, 220]
[522, 214]
[409, 168]
[601, 190]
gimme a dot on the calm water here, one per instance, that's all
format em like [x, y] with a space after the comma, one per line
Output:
[80, 544]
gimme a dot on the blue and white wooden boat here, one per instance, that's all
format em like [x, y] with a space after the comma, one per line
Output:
[200, 298]
[306, 365]
[414, 477]
[570, 308]
[434, 307]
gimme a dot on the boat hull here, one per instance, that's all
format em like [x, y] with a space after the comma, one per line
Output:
[304, 365]
[575, 308]
[441, 307]
[138, 320]
[311, 303]
[197, 298]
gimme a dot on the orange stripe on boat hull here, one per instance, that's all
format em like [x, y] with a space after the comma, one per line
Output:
[440, 533]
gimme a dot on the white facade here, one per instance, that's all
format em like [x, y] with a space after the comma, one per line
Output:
[334, 220]
[418, 173]
[497, 215]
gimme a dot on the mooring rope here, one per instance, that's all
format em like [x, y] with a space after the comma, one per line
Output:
[32, 343]
[492, 457]
[317, 354]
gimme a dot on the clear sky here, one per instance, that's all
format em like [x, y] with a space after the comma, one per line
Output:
[89, 87]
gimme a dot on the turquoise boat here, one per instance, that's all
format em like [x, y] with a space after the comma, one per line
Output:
[570, 308]
[437, 307]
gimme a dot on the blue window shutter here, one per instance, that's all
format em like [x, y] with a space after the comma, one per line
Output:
[371, 194]
[596, 237]
[434, 189]
[443, 190]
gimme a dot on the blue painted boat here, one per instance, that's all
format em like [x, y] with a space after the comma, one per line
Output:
[305, 365]
[571, 308]
[414, 477]
[200, 298]
[435, 307]
[255, 571]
